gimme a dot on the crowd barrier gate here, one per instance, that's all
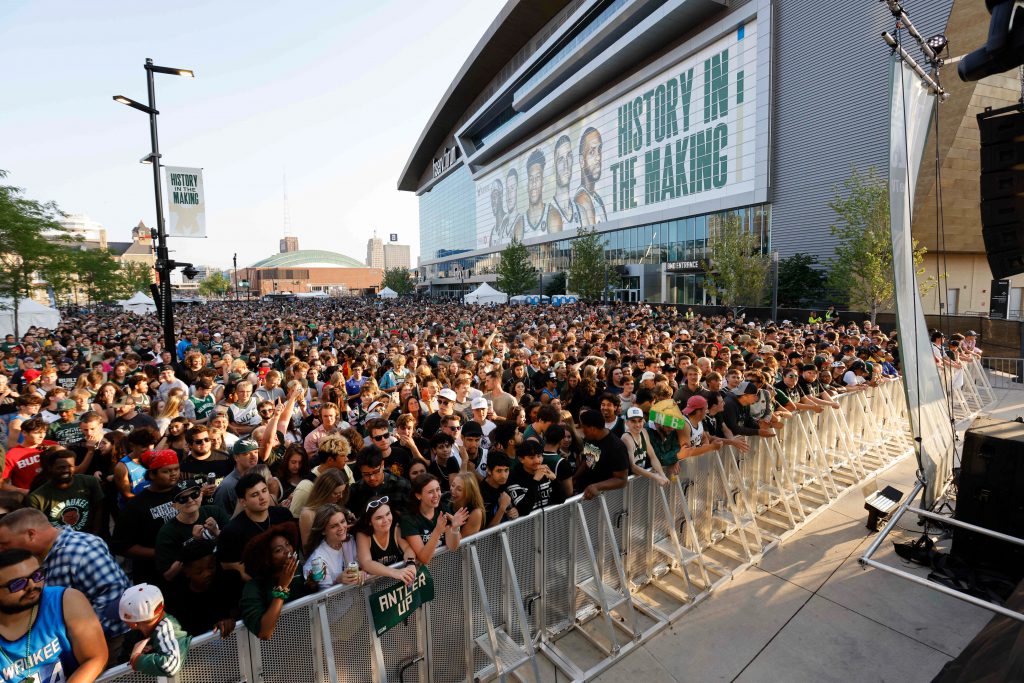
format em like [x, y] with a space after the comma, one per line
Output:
[601, 575]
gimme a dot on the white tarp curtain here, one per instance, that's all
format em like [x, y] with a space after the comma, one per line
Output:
[387, 293]
[910, 109]
[139, 303]
[485, 294]
[30, 314]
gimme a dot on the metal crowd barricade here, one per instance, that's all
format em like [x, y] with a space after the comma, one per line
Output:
[581, 582]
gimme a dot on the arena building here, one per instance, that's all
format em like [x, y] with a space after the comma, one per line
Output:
[308, 271]
[651, 120]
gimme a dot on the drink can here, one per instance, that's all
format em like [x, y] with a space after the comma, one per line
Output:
[318, 569]
[352, 567]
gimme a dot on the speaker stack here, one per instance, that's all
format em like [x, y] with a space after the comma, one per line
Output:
[1002, 189]
[990, 494]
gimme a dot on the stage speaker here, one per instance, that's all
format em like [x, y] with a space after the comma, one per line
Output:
[1002, 189]
[990, 494]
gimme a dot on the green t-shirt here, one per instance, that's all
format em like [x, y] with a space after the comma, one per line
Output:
[256, 597]
[415, 524]
[64, 433]
[71, 508]
[174, 534]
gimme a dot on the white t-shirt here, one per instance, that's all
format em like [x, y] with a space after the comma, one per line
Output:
[851, 380]
[336, 561]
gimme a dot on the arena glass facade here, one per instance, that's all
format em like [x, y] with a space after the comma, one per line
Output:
[698, 111]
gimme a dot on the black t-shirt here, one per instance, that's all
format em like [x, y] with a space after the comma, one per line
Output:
[140, 521]
[68, 379]
[398, 461]
[241, 530]
[527, 493]
[218, 464]
[451, 466]
[604, 458]
[431, 423]
[490, 496]
[199, 612]
[128, 426]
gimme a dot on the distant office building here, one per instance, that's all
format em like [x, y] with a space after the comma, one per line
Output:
[375, 252]
[396, 256]
[289, 243]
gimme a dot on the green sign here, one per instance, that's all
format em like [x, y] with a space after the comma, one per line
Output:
[392, 606]
[666, 420]
[243, 283]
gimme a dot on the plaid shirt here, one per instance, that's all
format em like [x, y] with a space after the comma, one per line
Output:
[82, 561]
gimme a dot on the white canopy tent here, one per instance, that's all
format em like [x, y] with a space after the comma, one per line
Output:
[485, 294]
[30, 314]
[139, 304]
[387, 293]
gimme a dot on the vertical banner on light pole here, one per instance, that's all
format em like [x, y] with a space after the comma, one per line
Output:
[186, 206]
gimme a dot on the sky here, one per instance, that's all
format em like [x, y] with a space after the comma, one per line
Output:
[332, 94]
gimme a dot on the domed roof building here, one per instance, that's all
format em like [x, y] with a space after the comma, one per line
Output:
[308, 271]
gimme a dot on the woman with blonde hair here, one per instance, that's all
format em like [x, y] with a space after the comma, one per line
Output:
[171, 409]
[466, 494]
[330, 487]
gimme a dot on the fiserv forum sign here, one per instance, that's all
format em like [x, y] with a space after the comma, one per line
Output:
[683, 136]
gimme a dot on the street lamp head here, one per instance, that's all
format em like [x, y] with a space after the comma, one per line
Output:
[148, 159]
[187, 73]
[134, 105]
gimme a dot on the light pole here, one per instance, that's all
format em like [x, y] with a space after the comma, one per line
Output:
[164, 265]
[775, 286]
[234, 261]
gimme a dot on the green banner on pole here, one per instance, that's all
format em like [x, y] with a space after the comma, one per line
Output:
[392, 606]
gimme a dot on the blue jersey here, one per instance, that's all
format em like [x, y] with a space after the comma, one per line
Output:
[136, 479]
[50, 657]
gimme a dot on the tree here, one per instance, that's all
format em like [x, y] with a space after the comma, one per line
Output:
[28, 229]
[589, 270]
[861, 269]
[215, 285]
[555, 285]
[738, 270]
[398, 279]
[800, 281]
[101, 275]
[137, 276]
[515, 274]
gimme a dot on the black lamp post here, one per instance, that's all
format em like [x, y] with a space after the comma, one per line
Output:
[164, 265]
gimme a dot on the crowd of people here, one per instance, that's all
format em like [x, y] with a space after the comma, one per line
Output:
[158, 494]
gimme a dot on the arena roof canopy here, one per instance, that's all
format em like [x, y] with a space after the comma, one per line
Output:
[308, 258]
[515, 25]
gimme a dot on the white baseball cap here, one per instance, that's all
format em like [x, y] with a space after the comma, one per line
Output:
[143, 602]
[478, 403]
[634, 412]
[448, 394]
[647, 375]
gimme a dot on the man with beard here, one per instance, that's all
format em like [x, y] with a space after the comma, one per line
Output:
[47, 633]
[512, 221]
[498, 209]
[591, 205]
[537, 212]
[563, 213]
[68, 500]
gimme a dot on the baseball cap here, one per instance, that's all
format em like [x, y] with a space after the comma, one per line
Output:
[143, 602]
[66, 404]
[743, 388]
[695, 403]
[634, 412]
[67, 360]
[970, 333]
[838, 364]
[646, 376]
[447, 393]
[552, 375]
[186, 487]
[478, 403]
[31, 374]
[243, 446]
[472, 428]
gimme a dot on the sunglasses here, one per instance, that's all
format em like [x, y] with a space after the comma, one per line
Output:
[20, 584]
[183, 498]
[792, 375]
[206, 440]
[374, 504]
[443, 401]
[381, 437]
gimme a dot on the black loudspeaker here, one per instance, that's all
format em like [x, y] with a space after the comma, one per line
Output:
[990, 494]
[1002, 189]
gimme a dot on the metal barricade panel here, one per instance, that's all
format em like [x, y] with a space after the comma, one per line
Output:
[350, 633]
[558, 559]
[646, 527]
[447, 620]
[290, 658]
